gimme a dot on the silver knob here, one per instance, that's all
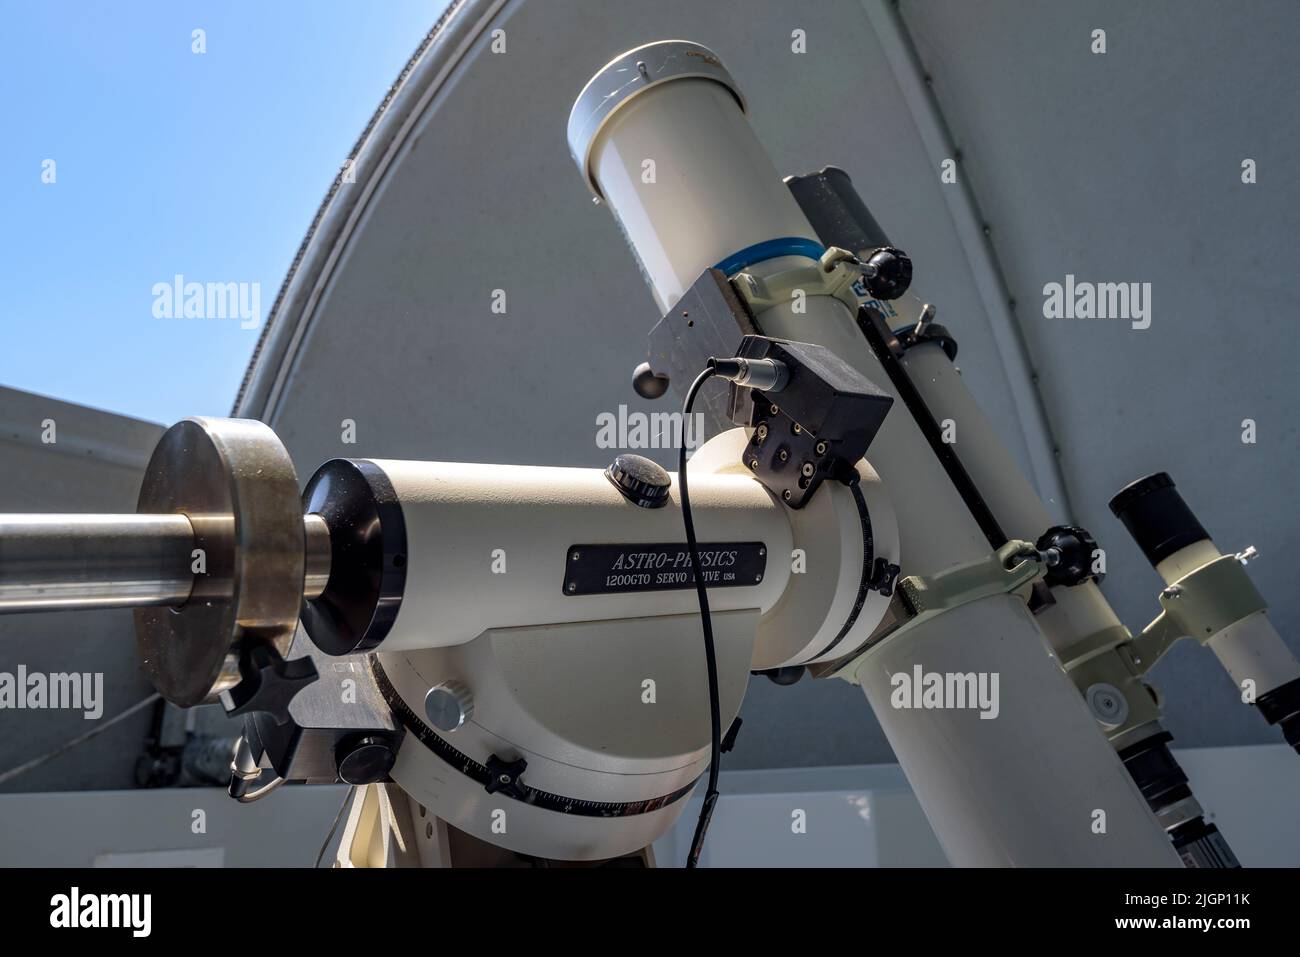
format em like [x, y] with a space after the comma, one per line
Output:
[448, 705]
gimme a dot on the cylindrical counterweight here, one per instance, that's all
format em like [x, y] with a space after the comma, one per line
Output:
[215, 563]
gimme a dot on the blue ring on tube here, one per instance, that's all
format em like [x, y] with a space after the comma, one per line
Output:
[770, 249]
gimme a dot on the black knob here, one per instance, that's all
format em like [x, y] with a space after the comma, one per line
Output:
[364, 759]
[648, 383]
[267, 683]
[504, 776]
[642, 481]
[888, 274]
[1075, 549]
[782, 676]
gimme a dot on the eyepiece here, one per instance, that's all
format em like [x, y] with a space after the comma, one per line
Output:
[1157, 517]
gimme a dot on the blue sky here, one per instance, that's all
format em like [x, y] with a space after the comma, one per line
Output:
[169, 162]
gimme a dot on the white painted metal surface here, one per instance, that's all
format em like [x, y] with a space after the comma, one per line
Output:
[1026, 781]
[690, 183]
[487, 547]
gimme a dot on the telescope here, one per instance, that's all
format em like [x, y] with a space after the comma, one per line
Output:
[547, 662]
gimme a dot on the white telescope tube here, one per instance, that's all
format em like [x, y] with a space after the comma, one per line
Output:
[716, 196]
[722, 198]
[1079, 611]
[1250, 650]
[1006, 777]
[678, 164]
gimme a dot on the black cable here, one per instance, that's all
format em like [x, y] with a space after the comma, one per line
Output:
[710, 655]
[82, 738]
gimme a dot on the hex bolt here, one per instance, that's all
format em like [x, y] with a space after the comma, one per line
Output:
[783, 455]
[807, 469]
[797, 429]
[821, 448]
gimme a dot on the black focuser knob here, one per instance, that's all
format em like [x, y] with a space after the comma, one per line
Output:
[1070, 551]
[887, 273]
[645, 483]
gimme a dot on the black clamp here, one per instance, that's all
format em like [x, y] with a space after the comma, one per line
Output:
[267, 683]
[883, 575]
[905, 339]
[503, 777]
[1070, 551]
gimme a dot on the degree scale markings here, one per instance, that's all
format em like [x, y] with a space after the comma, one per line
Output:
[479, 773]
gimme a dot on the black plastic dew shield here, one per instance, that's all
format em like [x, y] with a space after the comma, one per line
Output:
[1157, 517]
